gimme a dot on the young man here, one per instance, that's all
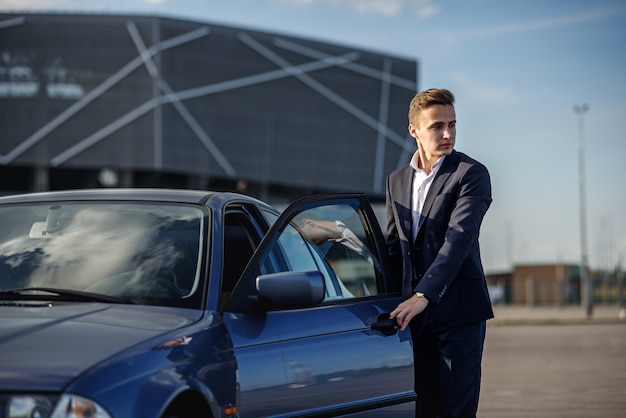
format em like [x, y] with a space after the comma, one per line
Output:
[435, 206]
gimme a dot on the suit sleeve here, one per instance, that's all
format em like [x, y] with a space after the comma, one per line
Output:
[458, 256]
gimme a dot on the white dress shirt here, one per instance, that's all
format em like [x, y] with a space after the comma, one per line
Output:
[421, 185]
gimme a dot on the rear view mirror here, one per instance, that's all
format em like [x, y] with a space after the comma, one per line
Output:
[38, 230]
[51, 227]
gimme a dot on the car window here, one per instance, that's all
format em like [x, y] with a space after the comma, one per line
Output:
[149, 253]
[332, 238]
[340, 236]
[240, 241]
[270, 217]
[295, 252]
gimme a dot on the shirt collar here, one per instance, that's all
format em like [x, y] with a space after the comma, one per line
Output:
[415, 163]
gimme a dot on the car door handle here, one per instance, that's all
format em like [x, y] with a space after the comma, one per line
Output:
[386, 325]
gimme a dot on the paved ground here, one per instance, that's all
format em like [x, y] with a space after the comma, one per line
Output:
[554, 362]
[506, 314]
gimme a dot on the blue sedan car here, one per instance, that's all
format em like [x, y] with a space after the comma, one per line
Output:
[176, 303]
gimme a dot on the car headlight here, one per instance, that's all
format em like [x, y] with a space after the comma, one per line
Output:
[25, 406]
[43, 406]
[74, 406]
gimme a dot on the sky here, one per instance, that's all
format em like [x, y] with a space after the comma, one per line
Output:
[517, 69]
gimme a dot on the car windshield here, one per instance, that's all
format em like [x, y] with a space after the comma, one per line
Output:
[137, 252]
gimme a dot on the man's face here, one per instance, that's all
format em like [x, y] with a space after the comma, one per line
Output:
[435, 132]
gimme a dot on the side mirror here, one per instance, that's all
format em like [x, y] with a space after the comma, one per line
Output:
[290, 289]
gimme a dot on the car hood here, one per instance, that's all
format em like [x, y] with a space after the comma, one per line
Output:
[45, 345]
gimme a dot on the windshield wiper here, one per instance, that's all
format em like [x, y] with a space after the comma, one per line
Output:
[32, 293]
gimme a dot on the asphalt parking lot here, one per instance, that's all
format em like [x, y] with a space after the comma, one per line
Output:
[554, 364]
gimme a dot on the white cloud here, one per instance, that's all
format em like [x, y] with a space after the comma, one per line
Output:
[423, 9]
[69, 4]
[29, 5]
[382, 7]
[152, 1]
[540, 24]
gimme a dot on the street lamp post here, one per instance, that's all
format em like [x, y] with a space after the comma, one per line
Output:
[585, 280]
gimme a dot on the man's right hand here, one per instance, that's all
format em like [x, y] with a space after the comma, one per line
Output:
[408, 309]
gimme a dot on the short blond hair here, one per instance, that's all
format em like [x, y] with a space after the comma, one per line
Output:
[427, 98]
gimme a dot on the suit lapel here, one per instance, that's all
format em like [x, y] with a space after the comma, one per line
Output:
[403, 200]
[407, 186]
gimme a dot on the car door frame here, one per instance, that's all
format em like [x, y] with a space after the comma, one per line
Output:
[261, 334]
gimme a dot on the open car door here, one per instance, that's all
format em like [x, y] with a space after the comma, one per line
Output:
[308, 317]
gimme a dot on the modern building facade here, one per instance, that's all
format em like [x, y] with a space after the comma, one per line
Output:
[112, 100]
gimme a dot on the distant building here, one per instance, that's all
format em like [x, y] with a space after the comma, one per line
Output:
[125, 100]
[534, 285]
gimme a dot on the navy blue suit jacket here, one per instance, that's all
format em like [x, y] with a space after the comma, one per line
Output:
[444, 260]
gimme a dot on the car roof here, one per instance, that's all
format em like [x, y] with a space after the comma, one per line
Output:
[138, 194]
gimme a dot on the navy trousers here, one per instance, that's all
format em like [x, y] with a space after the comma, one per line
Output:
[447, 367]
